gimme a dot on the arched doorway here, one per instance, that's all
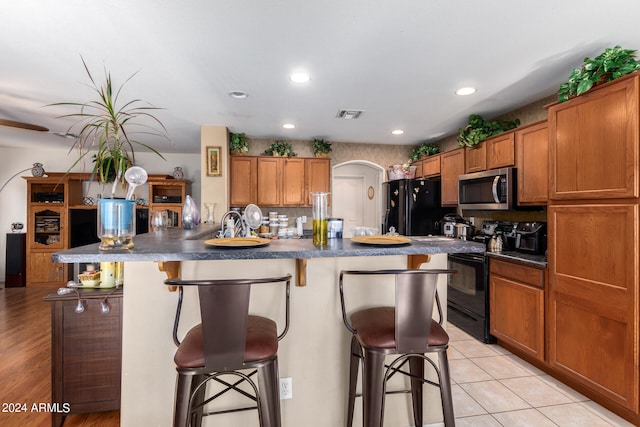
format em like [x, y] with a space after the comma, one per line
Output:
[356, 195]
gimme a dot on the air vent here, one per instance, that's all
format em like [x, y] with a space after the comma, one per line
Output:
[349, 114]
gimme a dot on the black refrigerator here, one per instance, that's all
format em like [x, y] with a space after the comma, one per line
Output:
[413, 207]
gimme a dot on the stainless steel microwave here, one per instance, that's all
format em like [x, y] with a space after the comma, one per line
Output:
[488, 190]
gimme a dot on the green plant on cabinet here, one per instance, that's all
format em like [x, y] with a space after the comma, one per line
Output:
[320, 147]
[238, 143]
[426, 149]
[280, 148]
[611, 64]
[480, 129]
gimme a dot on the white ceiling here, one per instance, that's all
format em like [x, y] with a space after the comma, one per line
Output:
[400, 61]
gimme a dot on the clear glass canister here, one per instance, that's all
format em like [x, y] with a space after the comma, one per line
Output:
[320, 210]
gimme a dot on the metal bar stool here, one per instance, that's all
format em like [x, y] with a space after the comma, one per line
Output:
[228, 340]
[406, 330]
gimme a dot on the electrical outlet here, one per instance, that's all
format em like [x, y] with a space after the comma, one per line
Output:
[286, 388]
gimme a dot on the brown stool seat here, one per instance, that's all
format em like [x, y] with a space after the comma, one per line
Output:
[377, 329]
[228, 342]
[408, 332]
[261, 343]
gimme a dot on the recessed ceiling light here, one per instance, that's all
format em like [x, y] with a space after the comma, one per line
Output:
[466, 91]
[238, 94]
[397, 132]
[299, 77]
[288, 126]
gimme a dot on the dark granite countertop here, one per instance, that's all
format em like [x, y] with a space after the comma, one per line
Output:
[524, 258]
[189, 245]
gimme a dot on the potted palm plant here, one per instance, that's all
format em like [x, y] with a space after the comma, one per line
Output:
[105, 128]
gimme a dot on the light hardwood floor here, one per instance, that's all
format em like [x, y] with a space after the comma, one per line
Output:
[25, 362]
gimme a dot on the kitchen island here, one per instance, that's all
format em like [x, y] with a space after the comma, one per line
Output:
[315, 351]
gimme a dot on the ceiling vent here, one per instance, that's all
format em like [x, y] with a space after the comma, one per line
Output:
[349, 114]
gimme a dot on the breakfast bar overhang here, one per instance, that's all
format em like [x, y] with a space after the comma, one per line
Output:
[314, 352]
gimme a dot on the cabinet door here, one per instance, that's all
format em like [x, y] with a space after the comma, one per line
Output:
[431, 166]
[46, 227]
[593, 143]
[42, 271]
[593, 299]
[318, 176]
[269, 181]
[293, 183]
[500, 151]
[452, 166]
[243, 180]
[418, 165]
[475, 159]
[532, 148]
[517, 306]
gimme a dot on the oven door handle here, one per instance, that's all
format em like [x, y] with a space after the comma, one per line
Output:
[468, 257]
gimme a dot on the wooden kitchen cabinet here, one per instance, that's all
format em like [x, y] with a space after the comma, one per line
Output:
[243, 177]
[452, 164]
[593, 220]
[317, 177]
[431, 166]
[293, 182]
[475, 159]
[593, 299]
[269, 183]
[277, 181]
[593, 143]
[501, 150]
[517, 306]
[532, 163]
[86, 353]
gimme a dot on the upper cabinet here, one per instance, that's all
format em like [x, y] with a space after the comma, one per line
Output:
[451, 166]
[277, 181]
[495, 152]
[475, 159]
[501, 151]
[243, 178]
[594, 143]
[532, 152]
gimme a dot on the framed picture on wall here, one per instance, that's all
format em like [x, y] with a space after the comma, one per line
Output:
[214, 161]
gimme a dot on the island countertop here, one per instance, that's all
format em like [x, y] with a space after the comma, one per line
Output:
[180, 245]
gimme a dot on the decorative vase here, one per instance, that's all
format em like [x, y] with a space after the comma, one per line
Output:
[116, 223]
[237, 153]
[322, 155]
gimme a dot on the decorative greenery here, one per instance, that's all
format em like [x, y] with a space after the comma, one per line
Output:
[238, 143]
[480, 129]
[320, 146]
[108, 128]
[425, 149]
[613, 63]
[280, 148]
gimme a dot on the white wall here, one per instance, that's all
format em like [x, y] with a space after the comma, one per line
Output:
[13, 199]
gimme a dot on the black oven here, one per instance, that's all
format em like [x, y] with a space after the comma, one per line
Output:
[468, 294]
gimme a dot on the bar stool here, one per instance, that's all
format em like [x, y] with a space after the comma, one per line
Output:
[227, 341]
[406, 330]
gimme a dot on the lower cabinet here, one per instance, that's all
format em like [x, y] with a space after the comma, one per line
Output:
[86, 352]
[43, 271]
[517, 306]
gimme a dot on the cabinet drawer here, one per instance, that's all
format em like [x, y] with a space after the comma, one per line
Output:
[522, 273]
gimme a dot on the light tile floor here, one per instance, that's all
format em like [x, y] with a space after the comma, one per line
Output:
[492, 387]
